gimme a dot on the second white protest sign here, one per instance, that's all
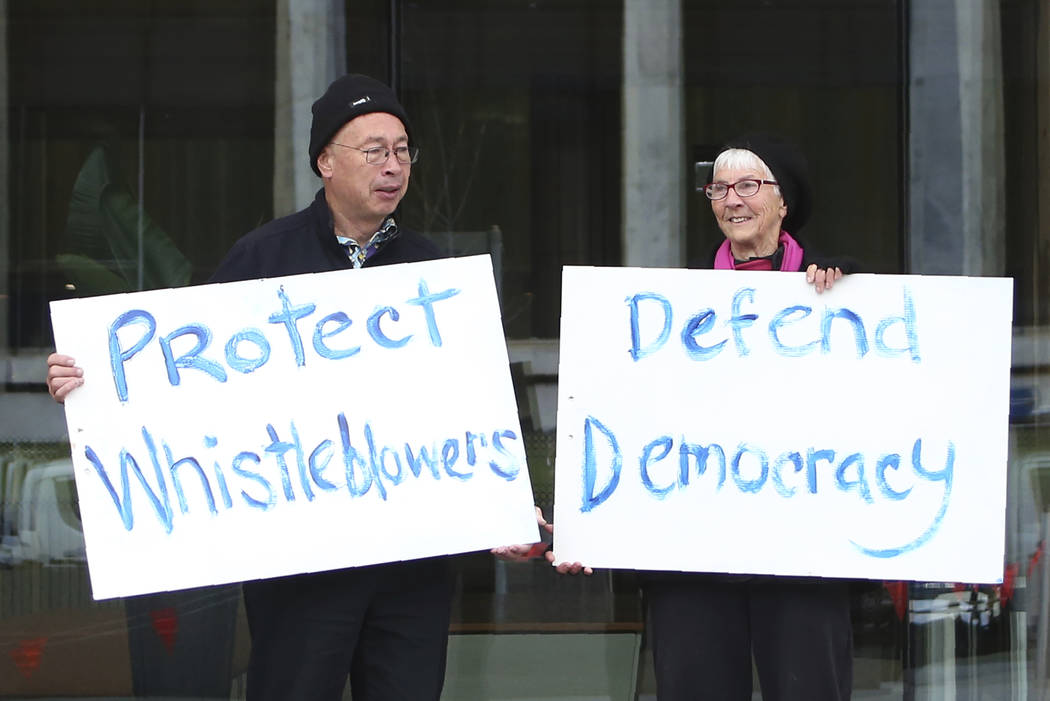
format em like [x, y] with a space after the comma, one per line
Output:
[728, 421]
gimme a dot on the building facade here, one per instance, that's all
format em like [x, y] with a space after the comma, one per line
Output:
[553, 133]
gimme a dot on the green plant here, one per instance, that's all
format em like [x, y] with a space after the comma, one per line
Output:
[103, 233]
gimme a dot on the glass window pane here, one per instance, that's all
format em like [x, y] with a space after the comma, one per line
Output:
[141, 139]
[138, 145]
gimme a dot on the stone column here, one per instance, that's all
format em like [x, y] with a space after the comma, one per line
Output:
[311, 53]
[1041, 271]
[5, 161]
[654, 174]
[956, 162]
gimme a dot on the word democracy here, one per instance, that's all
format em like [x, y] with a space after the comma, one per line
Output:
[324, 338]
[287, 466]
[665, 465]
[789, 322]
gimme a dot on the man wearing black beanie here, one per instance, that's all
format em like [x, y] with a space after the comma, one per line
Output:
[361, 148]
[384, 625]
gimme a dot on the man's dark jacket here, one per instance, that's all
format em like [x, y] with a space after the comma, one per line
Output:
[305, 242]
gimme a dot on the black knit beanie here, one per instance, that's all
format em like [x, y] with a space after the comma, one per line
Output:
[789, 170]
[346, 98]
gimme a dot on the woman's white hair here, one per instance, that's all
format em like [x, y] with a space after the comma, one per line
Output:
[742, 159]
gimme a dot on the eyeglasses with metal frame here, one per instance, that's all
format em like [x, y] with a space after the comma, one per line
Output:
[378, 155]
[747, 187]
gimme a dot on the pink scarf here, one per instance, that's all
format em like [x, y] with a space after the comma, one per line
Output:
[792, 261]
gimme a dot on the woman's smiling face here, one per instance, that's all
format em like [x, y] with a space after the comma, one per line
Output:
[752, 224]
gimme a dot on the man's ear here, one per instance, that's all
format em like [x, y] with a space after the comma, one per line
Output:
[324, 162]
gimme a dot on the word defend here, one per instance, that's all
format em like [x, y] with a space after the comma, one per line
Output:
[271, 427]
[756, 427]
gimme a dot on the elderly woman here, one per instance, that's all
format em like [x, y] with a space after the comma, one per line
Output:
[706, 627]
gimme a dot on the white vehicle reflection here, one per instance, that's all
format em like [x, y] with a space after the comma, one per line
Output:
[40, 519]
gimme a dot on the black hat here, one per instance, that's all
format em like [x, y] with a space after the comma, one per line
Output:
[789, 170]
[346, 98]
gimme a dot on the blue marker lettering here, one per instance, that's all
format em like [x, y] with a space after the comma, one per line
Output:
[426, 300]
[240, 363]
[353, 462]
[277, 449]
[377, 333]
[220, 477]
[637, 352]
[173, 466]
[911, 331]
[696, 326]
[741, 321]
[300, 460]
[387, 451]
[373, 462]
[812, 457]
[415, 464]
[945, 476]
[288, 316]
[318, 461]
[510, 472]
[750, 486]
[191, 359]
[590, 468]
[118, 356]
[700, 453]
[893, 461]
[859, 334]
[323, 350]
[782, 318]
[161, 505]
[664, 443]
[449, 456]
[271, 498]
[859, 485]
[778, 481]
[471, 454]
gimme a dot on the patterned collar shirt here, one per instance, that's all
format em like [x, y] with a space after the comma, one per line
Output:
[358, 254]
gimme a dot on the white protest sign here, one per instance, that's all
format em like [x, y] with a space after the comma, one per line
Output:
[297, 424]
[731, 421]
